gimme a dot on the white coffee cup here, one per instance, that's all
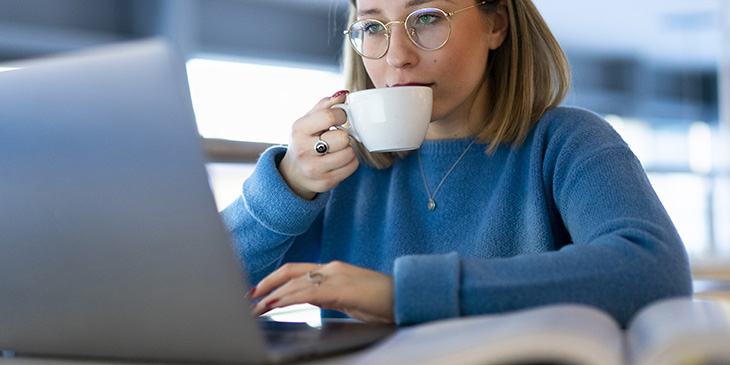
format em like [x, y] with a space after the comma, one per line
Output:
[389, 119]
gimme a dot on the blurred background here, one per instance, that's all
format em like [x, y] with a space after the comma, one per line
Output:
[659, 71]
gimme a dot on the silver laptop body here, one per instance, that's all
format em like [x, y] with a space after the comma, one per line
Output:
[110, 242]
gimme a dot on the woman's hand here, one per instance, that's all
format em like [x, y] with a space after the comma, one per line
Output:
[362, 294]
[308, 172]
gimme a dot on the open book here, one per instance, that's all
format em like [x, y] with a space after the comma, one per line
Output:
[671, 331]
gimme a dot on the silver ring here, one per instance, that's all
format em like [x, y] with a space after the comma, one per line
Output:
[315, 277]
[321, 146]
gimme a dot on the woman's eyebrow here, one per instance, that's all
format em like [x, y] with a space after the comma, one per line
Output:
[368, 12]
[417, 2]
[410, 4]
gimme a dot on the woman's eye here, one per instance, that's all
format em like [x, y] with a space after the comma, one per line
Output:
[427, 19]
[374, 28]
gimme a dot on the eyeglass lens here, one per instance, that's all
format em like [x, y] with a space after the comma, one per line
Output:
[427, 28]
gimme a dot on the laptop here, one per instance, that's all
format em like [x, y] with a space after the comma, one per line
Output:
[111, 246]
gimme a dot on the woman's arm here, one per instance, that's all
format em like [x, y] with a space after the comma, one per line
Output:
[274, 217]
[266, 219]
[622, 251]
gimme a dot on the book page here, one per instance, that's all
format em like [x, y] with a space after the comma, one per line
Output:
[680, 331]
[557, 333]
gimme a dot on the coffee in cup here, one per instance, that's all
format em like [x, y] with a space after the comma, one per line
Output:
[389, 119]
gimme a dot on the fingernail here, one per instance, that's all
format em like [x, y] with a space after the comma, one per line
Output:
[271, 304]
[340, 93]
[250, 292]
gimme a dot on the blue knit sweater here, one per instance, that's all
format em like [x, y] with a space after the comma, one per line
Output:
[569, 216]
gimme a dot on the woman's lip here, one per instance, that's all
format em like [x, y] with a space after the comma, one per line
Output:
[411, 84]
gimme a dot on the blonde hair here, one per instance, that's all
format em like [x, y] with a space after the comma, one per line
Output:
[527, 76]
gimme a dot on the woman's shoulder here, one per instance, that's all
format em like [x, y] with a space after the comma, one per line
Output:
[572, 124]
[576, 132]
[572, 117]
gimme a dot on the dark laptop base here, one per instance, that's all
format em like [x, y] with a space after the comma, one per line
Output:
[299, 341]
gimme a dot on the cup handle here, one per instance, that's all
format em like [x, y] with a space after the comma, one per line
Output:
[351, 129]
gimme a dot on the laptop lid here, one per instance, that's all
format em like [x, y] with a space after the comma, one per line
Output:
[110, 241]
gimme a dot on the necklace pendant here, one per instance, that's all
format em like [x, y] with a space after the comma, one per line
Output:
[431, 205]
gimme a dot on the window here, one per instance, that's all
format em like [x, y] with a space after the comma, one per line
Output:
[253, 101]
[657, 79]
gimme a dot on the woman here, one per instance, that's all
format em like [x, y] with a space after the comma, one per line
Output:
[511, 201]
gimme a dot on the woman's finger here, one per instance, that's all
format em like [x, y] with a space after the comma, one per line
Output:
[302, 289]
[280, 277]
[326, 116]
[337, 140]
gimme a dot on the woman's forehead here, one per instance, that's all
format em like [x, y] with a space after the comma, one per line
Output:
[365, 5]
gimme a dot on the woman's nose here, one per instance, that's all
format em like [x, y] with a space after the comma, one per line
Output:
[401, 52]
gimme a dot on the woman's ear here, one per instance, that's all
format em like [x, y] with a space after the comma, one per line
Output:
[500, 25]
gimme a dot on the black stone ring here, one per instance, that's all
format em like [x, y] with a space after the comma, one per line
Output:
[321, 146]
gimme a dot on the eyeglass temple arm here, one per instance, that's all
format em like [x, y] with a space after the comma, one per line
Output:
[467, 8]
[347, 31]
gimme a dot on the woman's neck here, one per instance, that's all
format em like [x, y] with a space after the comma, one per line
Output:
[464, 121]
[438, 130]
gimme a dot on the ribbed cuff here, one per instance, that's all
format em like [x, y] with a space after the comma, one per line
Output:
[273, 204]
[426, 288]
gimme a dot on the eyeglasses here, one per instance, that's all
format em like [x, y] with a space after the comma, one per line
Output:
[428, 28]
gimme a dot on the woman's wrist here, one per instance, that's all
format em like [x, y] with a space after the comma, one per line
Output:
[286, 174]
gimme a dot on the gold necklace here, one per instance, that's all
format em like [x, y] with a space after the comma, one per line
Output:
[431, 201]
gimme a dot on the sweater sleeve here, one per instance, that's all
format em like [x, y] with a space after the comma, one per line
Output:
[622, 252]
[266, 218]
[418, 278]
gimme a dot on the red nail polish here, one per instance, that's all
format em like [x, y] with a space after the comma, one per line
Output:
[250, 292]
[340, 93]
[270, 304]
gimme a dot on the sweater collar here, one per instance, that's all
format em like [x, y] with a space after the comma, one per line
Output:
[449, 146]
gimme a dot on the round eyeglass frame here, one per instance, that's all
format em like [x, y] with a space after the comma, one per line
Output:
[410, 32]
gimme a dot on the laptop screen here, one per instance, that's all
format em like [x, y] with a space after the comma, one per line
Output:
[111, 242]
